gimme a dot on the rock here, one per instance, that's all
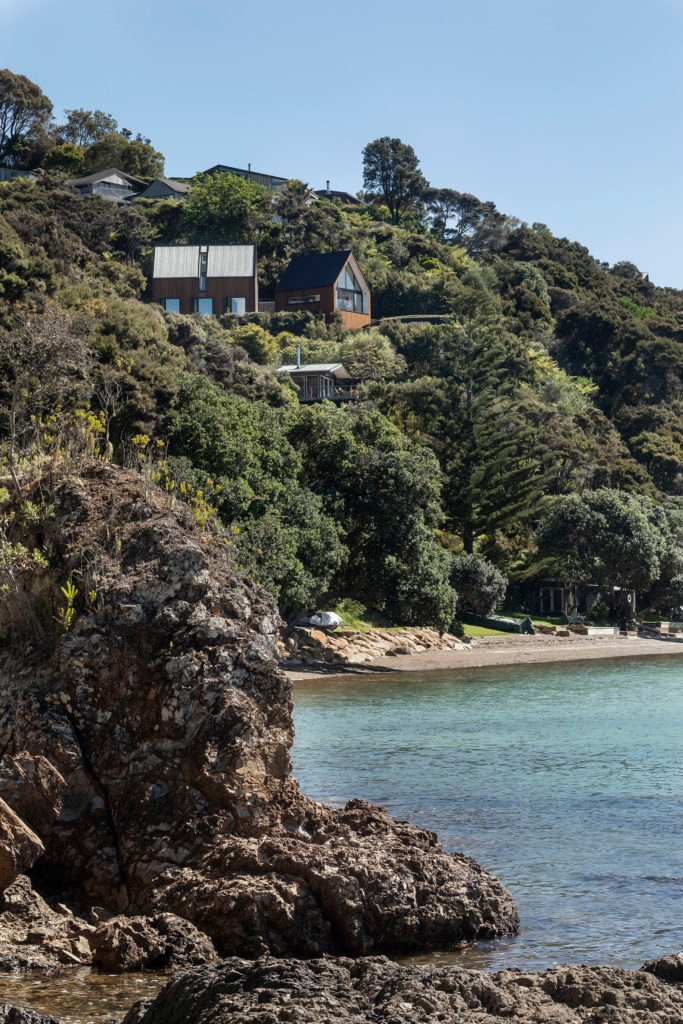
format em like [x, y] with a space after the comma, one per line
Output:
[171, 730]
[34, 936]
[150, 943]
[32, 787]
[668, 968]
[379, 991]
[20, 847]
[20, 1015]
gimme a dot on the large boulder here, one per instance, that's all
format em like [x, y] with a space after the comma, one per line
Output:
[20, 847]
[379, 991]
[149, 943]
[163, 712]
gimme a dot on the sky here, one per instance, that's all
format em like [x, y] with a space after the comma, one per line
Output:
[565, 113]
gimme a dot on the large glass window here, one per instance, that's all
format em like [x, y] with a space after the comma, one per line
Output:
[203, 306]
[350, 296]
[171, 305]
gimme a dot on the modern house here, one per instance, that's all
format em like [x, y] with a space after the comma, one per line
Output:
[109, 184]
[271, 181]
[165, 188]
[319, 381]
[336, 195]
[206, 279]
[559, 597]
[328, 283]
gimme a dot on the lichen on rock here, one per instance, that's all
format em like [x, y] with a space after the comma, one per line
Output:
[166, 725]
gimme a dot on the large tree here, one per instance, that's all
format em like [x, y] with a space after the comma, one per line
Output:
[228, 209]
[25, 114]
[391, 174]
[84, 127]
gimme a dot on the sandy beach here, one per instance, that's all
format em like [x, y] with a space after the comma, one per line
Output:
[481, 652]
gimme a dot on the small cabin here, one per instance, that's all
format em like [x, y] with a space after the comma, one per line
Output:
[207, 279]
[318, 382]
[558, 597]
[327, 282]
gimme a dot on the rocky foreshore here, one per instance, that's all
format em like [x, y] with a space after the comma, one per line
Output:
[376, 990]
[342, 647]
[145, 769]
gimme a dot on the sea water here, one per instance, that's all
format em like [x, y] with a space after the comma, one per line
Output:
[565, 780]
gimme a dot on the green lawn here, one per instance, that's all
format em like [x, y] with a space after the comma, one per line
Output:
[484, 631]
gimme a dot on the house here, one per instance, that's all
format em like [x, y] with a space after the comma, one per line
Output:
[558, 597]
[271, 181]
[10, 173]
[206, 279]
[165, 188]
[328, 283]
[319, 381]
[335, 195]
[109, 184]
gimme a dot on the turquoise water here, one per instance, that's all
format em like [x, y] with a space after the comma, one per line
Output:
[566, 781]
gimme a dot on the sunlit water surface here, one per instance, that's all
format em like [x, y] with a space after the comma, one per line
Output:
[566, 781]
[79, 995]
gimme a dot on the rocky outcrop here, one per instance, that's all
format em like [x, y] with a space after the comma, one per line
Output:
[378, 991]
[668, 968]
[166, 726]
[20, 847]
[33, 935]
[20, 1015]
[149, 943]
[351, 647]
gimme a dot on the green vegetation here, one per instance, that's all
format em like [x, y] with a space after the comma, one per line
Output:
[519, 416]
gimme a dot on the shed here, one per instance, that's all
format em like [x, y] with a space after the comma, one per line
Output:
[319, 381]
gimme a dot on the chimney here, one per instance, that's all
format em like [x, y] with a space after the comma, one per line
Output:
[298, 356]
[328, 184]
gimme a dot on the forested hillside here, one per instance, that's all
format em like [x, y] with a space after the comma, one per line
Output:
[520, 401]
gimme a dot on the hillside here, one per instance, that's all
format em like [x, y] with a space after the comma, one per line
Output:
[519, 400]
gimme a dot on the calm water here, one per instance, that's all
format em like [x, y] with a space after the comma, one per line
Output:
[566, 781]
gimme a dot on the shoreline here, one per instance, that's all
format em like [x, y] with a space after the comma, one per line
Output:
[485, 652]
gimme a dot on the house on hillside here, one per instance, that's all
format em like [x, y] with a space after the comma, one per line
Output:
[206, 279]
[316, 382]
[108, 184]
[10, 173]
[328, 283]
[271, 181]
[165, 188]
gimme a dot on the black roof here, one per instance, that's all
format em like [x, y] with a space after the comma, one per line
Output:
[314, 270]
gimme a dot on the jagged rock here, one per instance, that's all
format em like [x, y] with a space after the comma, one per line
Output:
[150, 943]
[311, 646]
[34, 936]
[20, 847]
[32, 787]
[165, 713]
[668, 968]
[379, 991]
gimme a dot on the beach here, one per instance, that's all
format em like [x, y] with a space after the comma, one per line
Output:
[482, 652]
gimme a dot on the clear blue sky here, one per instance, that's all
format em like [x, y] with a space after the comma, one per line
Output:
[561, 111]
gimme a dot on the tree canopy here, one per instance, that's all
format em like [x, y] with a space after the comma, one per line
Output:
[391, 174]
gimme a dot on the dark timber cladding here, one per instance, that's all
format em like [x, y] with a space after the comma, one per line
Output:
[206, 279]
[329, 283]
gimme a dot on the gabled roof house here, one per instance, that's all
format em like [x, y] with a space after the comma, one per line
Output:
[206, 279]
[109, 184]
[165, 188]
[329, 283]
[318, 381]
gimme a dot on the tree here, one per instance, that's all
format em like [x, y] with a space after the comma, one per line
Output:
[227, 209]
[607, 537]
[391, 174]
[480, 586]
[84, 127]
[25, 114]
[66, 157]
[459, 218]
[134, 156]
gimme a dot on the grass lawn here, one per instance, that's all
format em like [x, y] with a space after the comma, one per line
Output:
[484, 631]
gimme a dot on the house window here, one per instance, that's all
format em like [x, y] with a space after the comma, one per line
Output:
[202, 306]
[350, 296]
[203, 267]
[300, 300]
[171, 305]
[238, 306]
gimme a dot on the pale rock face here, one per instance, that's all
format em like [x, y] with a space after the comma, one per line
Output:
[165, 726]
[20, 847]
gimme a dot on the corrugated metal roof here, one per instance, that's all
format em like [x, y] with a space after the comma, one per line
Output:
[336, 369]
[223, 261]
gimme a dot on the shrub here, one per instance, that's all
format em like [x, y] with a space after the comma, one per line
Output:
[478, 583]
